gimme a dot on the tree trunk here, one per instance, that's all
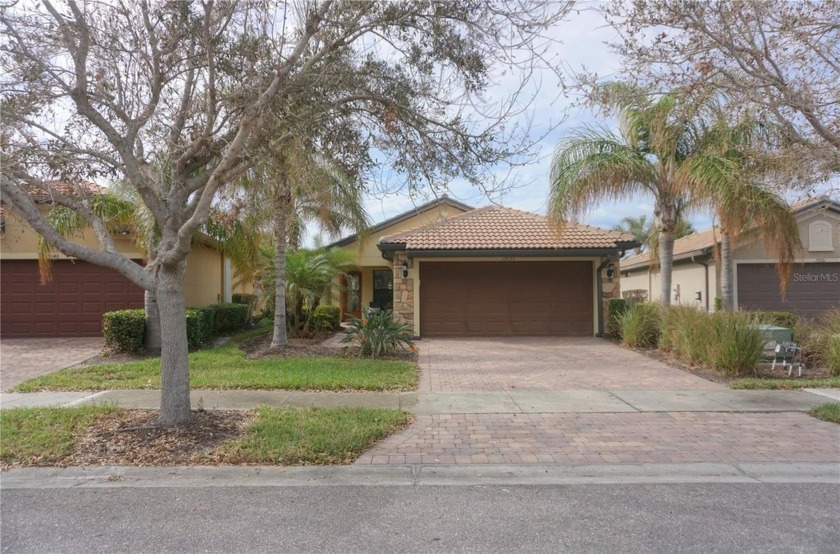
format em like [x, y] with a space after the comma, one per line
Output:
[281, 206]
[727, 289]
[152, 340]
[174, 363]
[666, 220]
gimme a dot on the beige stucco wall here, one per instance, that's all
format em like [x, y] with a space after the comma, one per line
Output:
[369, 257]
[688, 278]
[749, 249]
[20, 241]
[203, 280]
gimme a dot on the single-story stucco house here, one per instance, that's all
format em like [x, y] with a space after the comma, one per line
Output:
[447, 269]
[813, 288]
[72, 303]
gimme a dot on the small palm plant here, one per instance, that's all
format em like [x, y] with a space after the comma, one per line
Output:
[379, 334]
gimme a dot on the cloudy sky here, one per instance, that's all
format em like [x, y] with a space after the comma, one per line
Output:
[583, 36]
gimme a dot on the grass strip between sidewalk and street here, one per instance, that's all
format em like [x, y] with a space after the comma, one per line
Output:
[311, 436]
[228, 368]
[106, 435]
[830, 411]
[753, 383]
[43, 436]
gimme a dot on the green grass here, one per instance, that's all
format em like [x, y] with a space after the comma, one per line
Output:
[263, 327]
[785, 384]
[42, 436]
[830, 411]
[227, 368]
[316, 436]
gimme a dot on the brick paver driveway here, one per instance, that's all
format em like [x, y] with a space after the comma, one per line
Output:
[501, 363]
[645, 436]
[22, 359]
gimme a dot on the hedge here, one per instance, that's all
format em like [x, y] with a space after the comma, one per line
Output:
[124, 330]
[229, 318]
[781, 319]
[327, 318]
[241, 298]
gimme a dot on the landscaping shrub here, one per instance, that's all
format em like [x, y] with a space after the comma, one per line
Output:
[734, 342]
[379, 334]
[327, 318]
[684, 333]
[228, 318]
[200, 325]
[821, 341]
[241, 298]
[780, 319]
[617, 308]
[718, 303]
[641, 325]
[124, 330]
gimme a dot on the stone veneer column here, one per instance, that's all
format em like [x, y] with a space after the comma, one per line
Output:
[610, 288]
[403, 293]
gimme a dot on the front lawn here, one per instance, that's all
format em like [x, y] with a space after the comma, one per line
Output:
[270, 436]
[785, 384]
[311, 436]
[830, 411]
[228, 368]
[43, 436]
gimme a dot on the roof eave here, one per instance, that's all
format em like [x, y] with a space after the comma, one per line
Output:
[699, 252]
[496, 252]
[402, 217]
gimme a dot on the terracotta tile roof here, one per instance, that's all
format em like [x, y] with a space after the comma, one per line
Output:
[689, 243]
[500, 228]
[84, 187]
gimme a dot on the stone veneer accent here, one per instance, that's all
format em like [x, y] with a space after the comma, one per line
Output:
[403, 293]
[610, 288]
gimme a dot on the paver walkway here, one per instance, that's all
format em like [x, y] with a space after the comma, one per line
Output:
[504, 363]
[23, 359]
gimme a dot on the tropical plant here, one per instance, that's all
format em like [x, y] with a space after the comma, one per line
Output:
[652, 153]
[379, 334]
[639, 227]
[730, 159]
[648, 236]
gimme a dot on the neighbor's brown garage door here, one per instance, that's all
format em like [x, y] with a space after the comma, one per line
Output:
[813, 288]
[71, 305]
[506, 298]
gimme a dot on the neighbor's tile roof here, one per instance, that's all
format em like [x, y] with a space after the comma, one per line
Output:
[684, 245]
[500, 228]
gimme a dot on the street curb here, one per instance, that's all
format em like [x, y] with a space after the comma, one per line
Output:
[418, 475]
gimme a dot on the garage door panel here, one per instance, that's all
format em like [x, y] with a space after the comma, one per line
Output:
[517, 298]
[813, 288]
[71, 304]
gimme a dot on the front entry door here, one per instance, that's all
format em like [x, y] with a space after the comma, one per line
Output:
[351, 294]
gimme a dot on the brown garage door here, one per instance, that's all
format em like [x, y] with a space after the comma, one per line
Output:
[507, 298]
[813, 288]
[71, 304]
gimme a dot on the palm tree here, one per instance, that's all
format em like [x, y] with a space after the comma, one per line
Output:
[740, 204]
[639, 227]
[652, 153]
[297, 186]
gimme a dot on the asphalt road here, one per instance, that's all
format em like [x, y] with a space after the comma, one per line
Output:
[703, 518]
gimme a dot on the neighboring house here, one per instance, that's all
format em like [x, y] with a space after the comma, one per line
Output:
[449, 270]
[814, 286]
[73, 302]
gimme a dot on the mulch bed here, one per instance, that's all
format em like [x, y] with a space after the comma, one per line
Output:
[129, 437]
[258, 347]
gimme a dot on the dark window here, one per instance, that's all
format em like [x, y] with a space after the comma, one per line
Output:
[383, 289]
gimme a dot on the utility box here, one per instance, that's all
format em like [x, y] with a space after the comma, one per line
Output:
[774, 335]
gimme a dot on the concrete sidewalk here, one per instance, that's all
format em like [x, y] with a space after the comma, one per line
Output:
[430, 403]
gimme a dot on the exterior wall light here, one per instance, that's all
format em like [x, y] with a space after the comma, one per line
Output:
[405, 269]
[610, 271]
